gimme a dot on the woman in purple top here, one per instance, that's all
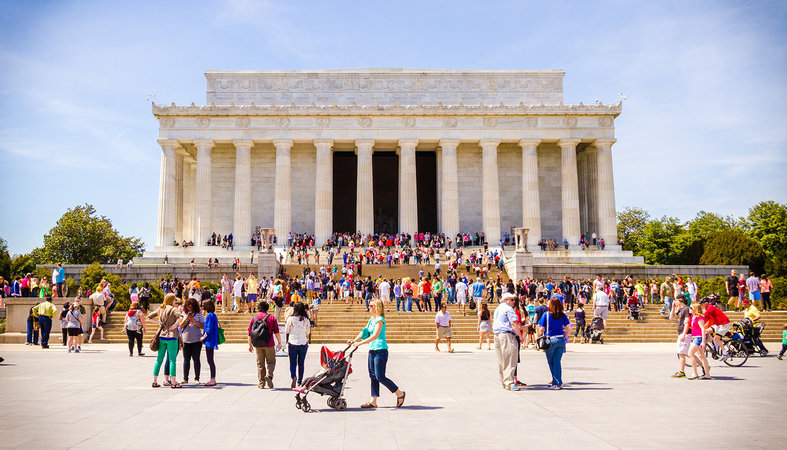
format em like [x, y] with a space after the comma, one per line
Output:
[555, 325]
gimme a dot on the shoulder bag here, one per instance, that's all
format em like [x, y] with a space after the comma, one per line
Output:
[221, 338]
[543, 342]
[155, 341]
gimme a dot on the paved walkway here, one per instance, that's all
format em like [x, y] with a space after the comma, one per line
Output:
[617, 396]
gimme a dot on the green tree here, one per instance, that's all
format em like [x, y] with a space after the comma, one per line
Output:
[732, 247]
[662, 241]
[767, 224]
[22, 264]
[706, 223]
[82, 237]
[5, 260]
[631, 226]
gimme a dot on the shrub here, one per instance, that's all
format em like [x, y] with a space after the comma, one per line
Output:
[92, 276]
[733, 248]
[779, 292]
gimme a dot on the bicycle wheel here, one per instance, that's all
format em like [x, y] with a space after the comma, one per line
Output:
[710, 351]
[738, 354]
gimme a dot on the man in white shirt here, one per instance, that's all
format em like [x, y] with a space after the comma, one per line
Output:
[443, 328]
[385, 291]
[237, 293]
[461, 294]
[691, 287]
[601, 305]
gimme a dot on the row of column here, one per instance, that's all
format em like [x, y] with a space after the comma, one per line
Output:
[171, 199]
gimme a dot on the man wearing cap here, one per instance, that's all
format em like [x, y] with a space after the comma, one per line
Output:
[751, 312]
[507, 328]
[666, 293]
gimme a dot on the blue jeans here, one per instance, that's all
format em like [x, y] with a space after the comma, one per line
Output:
[667, 305]
[32, 333]
[367, 298]
[438, 301]
[409, 301]
[297, 355]
[400, 301]
[554, 355]
[378, 359]
[45, 324]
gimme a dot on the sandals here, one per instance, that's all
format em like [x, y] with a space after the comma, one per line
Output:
[368, 405]
[210, 383]
[400, 400]
[155, 385]
[706, 377]
[176, 386]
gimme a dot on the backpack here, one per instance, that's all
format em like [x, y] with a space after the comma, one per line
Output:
[260, 334]
[132, 322]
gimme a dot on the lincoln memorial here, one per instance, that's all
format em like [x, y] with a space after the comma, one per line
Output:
[385, 150]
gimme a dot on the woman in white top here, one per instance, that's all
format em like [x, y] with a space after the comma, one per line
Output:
[297, 329]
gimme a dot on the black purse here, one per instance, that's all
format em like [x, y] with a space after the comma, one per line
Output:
[542, 343]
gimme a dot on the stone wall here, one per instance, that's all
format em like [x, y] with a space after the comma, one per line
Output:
[549, 185]
[509, 166]
[469, 177]
[583, 271]
[304, 169]
[263, 172]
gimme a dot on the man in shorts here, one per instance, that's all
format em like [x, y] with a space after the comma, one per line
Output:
[601, 305]
[753, 286]
[443, 328]
[731, 283]
[461, 294]
[384, 288]
[716, 319]
[684, 335]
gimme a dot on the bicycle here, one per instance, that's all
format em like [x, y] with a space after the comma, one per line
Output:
[737, 353]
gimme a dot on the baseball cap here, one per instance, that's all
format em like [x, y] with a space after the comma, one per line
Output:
[507, 296]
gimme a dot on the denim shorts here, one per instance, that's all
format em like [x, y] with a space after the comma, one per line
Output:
[696, 340]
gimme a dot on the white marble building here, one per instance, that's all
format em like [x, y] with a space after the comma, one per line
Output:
[437, 150]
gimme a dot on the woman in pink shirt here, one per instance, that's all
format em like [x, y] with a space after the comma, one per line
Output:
[765, 293]
[696, 350]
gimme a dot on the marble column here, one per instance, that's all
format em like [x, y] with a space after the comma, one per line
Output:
[490, 192]
[323, 201]
[167, 194]
[531, 203]
[282, 203]
[364, 196]
[450, 189]
[607, 215]
[189, 194]
[180, 155]
[203, 208]
[241, 224]
[570, 191]
[408, 189]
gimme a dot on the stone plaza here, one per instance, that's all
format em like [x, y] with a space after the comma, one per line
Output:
[616, 396]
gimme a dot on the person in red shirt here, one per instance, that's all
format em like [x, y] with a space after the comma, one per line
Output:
[715, 318]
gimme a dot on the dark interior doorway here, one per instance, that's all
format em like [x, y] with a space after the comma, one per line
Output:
[385, 167]
[426, 180]
[345, 185]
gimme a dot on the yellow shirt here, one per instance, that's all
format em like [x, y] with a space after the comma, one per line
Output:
[752, 313]
[252, 286]
[46, 309]
[294, 297]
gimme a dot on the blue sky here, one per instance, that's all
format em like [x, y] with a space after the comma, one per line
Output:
[703, 126]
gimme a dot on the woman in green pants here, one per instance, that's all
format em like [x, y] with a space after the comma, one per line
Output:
[167, 317]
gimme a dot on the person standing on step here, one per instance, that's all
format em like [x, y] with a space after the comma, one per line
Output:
[374, 335]
[226, 292]
[262, 330]
[461, 295]
[484, 326]
[731, 285]
[191, 324]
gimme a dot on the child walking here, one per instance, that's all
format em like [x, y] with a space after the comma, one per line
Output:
[784, 343]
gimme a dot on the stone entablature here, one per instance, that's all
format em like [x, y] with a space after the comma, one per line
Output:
[385, 86]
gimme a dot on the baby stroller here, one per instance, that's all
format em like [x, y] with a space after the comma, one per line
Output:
[596, 330]
[750, 334]
[330, 380]
[633, 307]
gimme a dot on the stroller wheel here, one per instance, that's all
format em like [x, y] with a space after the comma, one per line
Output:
[331, 402]
[340, 404]
[306, 407]
[298, 404]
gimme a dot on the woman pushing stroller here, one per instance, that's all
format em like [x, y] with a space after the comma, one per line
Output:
[374, 335]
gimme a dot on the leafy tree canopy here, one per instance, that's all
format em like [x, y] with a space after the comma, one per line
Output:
[80, 236]
[5, 260]
[732, 247]
[767, 224]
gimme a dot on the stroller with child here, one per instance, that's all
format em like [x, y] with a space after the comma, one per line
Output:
[595, 331]
[633, 307]
[330, 380]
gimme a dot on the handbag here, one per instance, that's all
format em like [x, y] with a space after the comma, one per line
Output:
[155, 341]
[543, 342]
[221, 339]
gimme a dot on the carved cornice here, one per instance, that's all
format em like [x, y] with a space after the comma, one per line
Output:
[162, 111]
